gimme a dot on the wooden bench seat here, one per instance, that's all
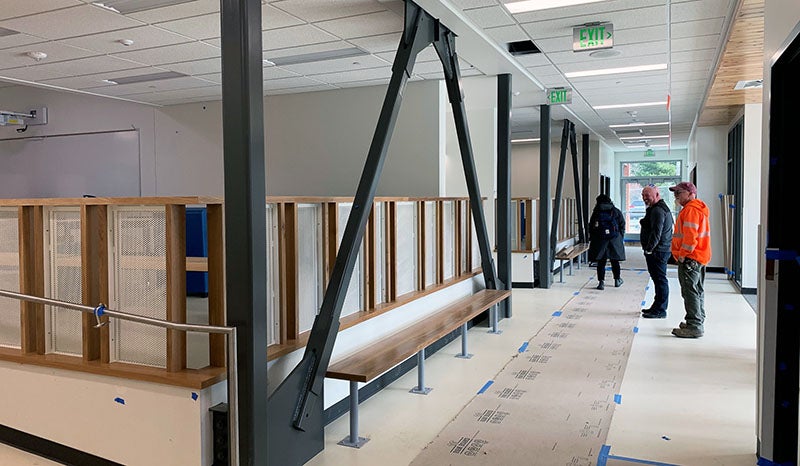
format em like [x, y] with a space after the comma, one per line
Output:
[377, 358]
[569, 254]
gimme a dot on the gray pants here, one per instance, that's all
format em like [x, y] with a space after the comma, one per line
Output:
[691, 275]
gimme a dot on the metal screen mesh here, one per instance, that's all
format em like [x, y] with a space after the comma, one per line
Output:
[449, 251]
[355, 295]
[406, 247]
[63, 326]
[273, 294]
[430, 243]
[309, 263]
[9, 278]
[139, 284]
[476, 248]
[380, 253]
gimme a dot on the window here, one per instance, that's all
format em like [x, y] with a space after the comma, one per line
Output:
[637, 175]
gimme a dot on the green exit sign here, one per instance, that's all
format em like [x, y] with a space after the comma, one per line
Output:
[649, 153]
[559, 95]
[592, 37]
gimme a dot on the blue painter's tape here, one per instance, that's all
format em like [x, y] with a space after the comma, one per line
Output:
[719, 195]
[485, 386]
[618, 399]
[635, 329]
[644, 302]
[557, 313]
[781, 255]
[194, 396]
[765, 462]
[576, 293]
[602, 456]
[638, 461]
[119, 400]
[665, 437]
[523, 347]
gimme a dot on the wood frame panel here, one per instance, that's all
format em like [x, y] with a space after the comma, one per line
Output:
[94, 280]
[31, 278]
[217, 349]
[176, 285]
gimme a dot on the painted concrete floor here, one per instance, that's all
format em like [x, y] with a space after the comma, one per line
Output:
[684, 402]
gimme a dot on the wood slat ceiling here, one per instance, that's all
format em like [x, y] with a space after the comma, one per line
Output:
[742, 60]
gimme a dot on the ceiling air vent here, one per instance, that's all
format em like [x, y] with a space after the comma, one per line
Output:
[629, 132]
[752, 84]
[522, 47]
[132, 6]
[143, 78]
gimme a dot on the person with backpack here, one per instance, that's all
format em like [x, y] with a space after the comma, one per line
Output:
[606, 231]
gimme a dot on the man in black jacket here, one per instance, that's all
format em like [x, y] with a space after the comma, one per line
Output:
[656, 236]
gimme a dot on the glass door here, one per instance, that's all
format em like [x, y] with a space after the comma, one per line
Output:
[637, 175]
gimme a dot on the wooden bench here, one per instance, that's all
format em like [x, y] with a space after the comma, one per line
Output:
[569, 254]
[377, 358]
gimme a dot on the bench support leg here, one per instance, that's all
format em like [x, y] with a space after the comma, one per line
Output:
[493, 319]
[421, 389]
[353, 440]
[464, 354]
[570, 267]
[561, 271]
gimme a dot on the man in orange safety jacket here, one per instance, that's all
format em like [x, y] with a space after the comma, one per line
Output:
[691, 248]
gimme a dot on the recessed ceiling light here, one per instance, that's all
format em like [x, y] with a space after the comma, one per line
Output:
[605, 53]
[641, 104]
[533, 5]
[638, 123]
[318, 56]
[526, 140]
[642, 138]
[624, 69]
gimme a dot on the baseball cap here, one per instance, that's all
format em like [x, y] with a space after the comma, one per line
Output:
[684, 186]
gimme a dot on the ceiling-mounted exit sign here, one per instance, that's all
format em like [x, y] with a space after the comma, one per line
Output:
[649, 153]
[559, 95]
[592, 36]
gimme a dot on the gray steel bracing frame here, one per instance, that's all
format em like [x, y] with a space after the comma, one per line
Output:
[567, 137]
[295, 425]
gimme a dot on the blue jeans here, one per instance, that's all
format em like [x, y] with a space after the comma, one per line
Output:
[657, 268]
[691, 275]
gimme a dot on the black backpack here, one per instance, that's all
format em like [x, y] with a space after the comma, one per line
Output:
[605, 226]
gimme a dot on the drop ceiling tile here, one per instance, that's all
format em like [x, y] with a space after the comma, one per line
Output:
[182, 10]
[363, 25]
[533, 59]
[17, 40]
[379, 43]
[695, 43]
[694, 55]
[654, 59]
[289, 83]
[700, 9]
[505, 34]
[174, 95]
[321, 10]
[306, 49]
[367, 83]
[689, 76]
[625, 19]
[489, 17]
[358, 75]
[435, 66]
[273, 18]
[196, 27]
[96, 80]
[143, 37]
[172, 53]
[70, 22]
[631, 79]
[13, 9]
[597, 10]
[82, 66]
[295, 90]
[697, 28]
[337, 65]
[196, 67]
[294, 36]
[276, 72]
[153, 86]
[642, 49]
[15, 57]
[466, 4]
[544, 70]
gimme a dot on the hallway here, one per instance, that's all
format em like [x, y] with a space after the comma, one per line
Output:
[686, 402]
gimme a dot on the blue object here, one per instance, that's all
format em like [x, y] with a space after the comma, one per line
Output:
[196, 246]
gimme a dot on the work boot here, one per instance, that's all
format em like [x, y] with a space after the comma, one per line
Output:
[687, 332]
[601, 285]
[618, 282]
[655, 315]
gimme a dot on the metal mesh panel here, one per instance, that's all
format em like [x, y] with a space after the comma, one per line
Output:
[406, 247]
[309, 266]
[273, 287]
[430, 243]
[380, 253]
[464, 233]
[9, 278]
[139, 284]
[476, 248]
[63, 282]
[355, 295]
[449, 251]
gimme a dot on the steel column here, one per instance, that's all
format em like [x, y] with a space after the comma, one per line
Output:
[577, 179]
[545, 207]
[559, 187]
[585, 191]
[503, 214]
